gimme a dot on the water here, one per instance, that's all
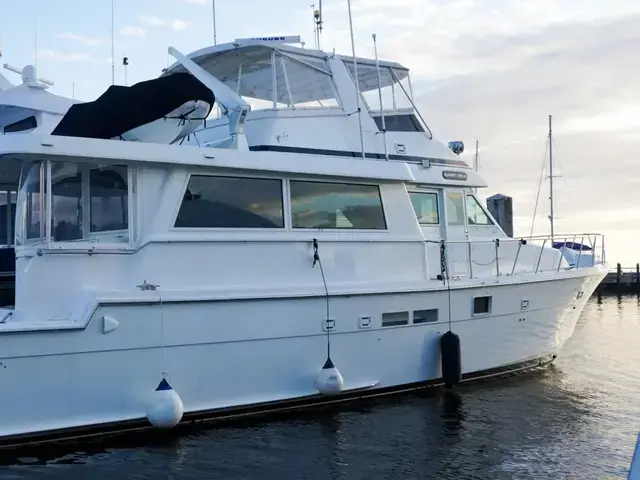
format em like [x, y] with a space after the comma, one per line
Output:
[577, 419]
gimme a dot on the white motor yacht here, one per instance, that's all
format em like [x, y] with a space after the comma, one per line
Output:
[313, 243]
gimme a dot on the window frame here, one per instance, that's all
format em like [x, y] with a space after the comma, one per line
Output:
[283, 196]
[438, 213]
[489, 306]
[484, 210]
[95, 239]
[334, 229]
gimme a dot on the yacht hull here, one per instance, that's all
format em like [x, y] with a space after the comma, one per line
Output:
[241, 357]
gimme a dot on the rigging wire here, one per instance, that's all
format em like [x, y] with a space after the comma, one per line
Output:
[564, 178]
[316, 259]
[535, 208]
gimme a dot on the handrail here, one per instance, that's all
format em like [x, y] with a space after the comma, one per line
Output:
[533, 254]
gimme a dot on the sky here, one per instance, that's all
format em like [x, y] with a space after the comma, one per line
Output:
[485, 70]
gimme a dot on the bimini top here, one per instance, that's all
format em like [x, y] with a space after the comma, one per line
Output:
[123, 109]
[252, 62]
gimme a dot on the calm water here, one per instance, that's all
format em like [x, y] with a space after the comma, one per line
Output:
[577, 419]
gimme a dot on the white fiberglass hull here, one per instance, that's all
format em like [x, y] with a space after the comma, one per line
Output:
[227, 355]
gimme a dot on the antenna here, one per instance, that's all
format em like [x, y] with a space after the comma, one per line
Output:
[551, 218]
[320, 22]
[316, 14]
[113, 47]
[475, 163]
[475, 159]
[213, 8]
[125, 64]
[73, 90]
[29, 76]
[355, 68]
[35, 53]
[384, 128]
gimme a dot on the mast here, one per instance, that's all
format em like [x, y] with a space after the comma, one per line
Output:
[475, 158]
[551, 216]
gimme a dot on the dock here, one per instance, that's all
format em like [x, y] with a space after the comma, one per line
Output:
[621, 280]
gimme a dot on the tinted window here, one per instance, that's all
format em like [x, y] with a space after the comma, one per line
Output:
[21, 125]
[399, 123]
[107, 200]
[108, 189]
[336, 205]
[231, 202]
[476, 214]
[426, 207]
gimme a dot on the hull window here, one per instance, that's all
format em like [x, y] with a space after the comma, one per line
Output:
[475, 213]
[425, 316]
[231, 202]
[395, 319]
[336, 205]
[481, 305]
[426, 207]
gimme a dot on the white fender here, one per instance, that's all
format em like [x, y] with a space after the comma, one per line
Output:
[329, 381]
[165, 408]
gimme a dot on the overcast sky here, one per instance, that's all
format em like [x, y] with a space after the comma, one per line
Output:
[487, 70]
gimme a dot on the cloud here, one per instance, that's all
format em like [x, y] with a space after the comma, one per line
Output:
[500, 88]
[64, 57]
[178, 24]
[132, 31]
[90, 41]
[152, 20]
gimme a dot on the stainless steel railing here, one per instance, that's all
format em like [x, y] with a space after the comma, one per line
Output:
[481, 258]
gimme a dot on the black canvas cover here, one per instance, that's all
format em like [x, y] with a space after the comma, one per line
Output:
[121, 109]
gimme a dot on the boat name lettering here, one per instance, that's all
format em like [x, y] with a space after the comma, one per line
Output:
[453, 175]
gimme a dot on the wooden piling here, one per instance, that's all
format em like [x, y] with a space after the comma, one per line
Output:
[637, 278]
[619, 278]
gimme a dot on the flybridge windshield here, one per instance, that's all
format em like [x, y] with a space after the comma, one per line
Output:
[394, 82]
[269, 78]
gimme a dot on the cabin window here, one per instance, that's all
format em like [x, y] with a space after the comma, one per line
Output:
[455, 209]
[475, 213]
[30, 206]
[425, 204]
[87, 202]
[25, 124]
[336, 205]
[231, 202]
[7, 217]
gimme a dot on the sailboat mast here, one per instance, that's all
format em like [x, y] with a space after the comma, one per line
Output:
[551, 216]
